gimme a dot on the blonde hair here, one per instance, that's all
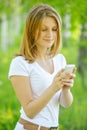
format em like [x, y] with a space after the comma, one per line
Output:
[29, 48]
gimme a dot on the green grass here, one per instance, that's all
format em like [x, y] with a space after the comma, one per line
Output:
[72, 118]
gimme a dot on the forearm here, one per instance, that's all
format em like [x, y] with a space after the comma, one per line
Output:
[66, 97]
[35, 106]
[30, 105]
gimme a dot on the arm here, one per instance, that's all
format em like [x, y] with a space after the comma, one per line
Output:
[32, 106]
[66, 97]
[23, 91]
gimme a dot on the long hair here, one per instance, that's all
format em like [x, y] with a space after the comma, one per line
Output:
[29, 48]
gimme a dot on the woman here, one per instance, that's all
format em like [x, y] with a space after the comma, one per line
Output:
[37, 74]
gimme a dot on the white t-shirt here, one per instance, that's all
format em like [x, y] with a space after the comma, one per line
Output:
[40, 80]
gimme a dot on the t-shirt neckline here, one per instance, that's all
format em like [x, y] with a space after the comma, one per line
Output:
[42, 69]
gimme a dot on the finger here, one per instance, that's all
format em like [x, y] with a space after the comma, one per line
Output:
[68, 85]
[68, 81]
[74, 70]
[72, 76]
[58, 79]
[59, 73]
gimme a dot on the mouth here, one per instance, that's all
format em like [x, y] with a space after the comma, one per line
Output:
[49, 40]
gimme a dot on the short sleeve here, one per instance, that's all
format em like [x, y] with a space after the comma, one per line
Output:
[19, 67]
[63, 60]
[60, 61]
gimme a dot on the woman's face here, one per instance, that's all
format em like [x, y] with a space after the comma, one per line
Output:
[48, 33]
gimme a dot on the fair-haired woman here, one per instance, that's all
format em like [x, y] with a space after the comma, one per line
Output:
[37, 74]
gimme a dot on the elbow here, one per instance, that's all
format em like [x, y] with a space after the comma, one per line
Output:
[29, 110]
[67, 104]
[29, 113]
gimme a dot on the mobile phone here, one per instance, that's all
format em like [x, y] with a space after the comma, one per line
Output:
[69, 68]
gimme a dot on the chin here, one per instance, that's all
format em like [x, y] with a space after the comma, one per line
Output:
[50, 45]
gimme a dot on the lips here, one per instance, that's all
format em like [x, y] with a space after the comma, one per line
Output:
[49, 40]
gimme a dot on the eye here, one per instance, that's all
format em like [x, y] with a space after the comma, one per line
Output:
[55, 29]
[44, 29]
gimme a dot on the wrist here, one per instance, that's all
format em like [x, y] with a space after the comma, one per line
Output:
[53, 89]
[66, 89]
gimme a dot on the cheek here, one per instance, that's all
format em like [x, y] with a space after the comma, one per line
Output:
[37, 35]
[55, 36]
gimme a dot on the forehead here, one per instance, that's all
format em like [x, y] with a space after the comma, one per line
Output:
[49, 21]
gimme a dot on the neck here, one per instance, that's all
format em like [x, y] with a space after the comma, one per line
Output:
[43, 55]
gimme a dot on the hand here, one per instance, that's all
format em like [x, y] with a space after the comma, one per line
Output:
[68, 81]
[57, 81]
[62, 80]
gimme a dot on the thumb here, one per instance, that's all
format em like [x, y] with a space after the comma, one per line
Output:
[61, 71]
[74, 70]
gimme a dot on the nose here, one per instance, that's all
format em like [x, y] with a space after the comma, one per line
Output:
[49, 33]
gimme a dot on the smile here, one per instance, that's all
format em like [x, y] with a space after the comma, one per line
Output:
[49, 40]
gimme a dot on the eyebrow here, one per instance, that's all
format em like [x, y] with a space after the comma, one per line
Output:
[47, 26]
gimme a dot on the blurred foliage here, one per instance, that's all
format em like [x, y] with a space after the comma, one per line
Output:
[77, 10]
[73, 118]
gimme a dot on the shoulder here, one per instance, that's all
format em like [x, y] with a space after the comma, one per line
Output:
[59, 57]
[60, 60]
[19, 66]
[18, 59]
[20, 62]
